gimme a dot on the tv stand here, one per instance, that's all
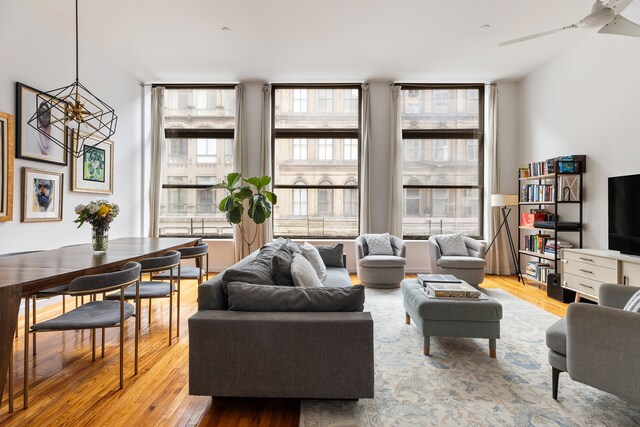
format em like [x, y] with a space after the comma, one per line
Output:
[584, 270]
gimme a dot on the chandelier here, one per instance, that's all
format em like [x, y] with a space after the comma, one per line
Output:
[76, 109]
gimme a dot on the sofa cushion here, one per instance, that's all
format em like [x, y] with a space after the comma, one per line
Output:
[249, 297]
[258, 271]
[452, 244]
[311, 253]
[379, 244]
[303, 273]
[557, 336]
[281, 266]
[461, 262]
[382, 261]
[331, 254]
[337, 278]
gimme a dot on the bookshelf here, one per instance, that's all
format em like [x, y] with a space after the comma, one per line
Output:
[551, 199]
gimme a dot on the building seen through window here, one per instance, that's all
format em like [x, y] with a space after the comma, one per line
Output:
[199, 131]
[315, 160]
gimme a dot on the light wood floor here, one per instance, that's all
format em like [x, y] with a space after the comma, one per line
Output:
[66, 388]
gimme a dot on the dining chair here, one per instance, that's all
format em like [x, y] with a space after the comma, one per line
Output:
[152, 289]
[95, 314]
[200, 252]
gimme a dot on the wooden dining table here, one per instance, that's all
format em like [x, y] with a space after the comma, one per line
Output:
[25, 274]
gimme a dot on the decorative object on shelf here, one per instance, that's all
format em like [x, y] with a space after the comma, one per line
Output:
[37, 143]
[259, 200]
[41, 195]
[6, 167]
[503, 201]
[93, 171]
[100, 214]
[73, 106]
[569, 185]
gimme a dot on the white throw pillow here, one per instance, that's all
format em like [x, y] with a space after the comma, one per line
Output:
[452, 245]
[311, 253]
[379, 244]
[303, 273]
[633, 304]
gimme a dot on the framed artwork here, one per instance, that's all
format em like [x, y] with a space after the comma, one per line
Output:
[93, 171]
[30, 144]
[41, 195]
[6, 167]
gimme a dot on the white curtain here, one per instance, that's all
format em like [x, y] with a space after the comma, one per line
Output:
[157, 158]
[396, 197]
[365, 193]
[265, 233]
[498, 256]
[240, 248]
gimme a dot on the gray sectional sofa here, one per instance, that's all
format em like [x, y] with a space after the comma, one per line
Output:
[247, 350]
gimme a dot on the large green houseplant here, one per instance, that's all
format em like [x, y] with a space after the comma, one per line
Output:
[253, 190]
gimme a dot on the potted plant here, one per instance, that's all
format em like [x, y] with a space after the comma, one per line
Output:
[259, 200]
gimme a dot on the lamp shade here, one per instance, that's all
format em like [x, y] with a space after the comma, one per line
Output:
[498, 200]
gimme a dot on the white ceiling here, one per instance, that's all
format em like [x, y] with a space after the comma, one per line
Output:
[324, 41]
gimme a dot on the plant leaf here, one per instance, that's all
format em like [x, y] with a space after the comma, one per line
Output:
[233, 178]
[254, 180]
[259, 214]
[244, 193]
[234, 216]
[264, 181]
[271, 197]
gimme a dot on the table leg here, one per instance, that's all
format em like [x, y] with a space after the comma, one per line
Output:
[9, 308]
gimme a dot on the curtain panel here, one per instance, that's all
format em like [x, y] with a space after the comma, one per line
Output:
[157, 159]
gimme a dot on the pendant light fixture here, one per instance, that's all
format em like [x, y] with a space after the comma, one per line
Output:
[73, 108]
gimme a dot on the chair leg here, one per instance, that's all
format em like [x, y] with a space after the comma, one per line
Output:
[555, 379]
[407, 318]
[26, 353]
[102, 336]
[149, 311]
[34, 299]
[137, 329]
[121, 338]
[170, 314]
[93, 345]
[178, 305]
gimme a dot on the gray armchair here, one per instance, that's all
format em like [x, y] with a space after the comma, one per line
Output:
[381, 271]
[468, 268]
[598, 345]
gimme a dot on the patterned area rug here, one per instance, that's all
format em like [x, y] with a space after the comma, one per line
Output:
[459, 384]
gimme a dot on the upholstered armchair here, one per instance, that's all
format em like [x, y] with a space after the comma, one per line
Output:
[598, 345]
[381, 271]
[468, 268]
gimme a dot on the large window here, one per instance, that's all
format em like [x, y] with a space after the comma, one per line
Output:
[442, 131]
[199, 130]
[315, 160]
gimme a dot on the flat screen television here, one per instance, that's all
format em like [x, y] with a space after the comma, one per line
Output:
[624, 214]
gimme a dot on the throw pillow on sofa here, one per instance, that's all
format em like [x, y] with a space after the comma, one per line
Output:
[249, 297]
[452, 245]
[311, 253]
[258, 271]
[281, 266]
[633, 304]
[303, 273]
[331, 255]
[379, 244]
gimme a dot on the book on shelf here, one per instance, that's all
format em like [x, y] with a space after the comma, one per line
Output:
[437, 278]
[538, 193]
[539, 270]
[452, 290]
[553, 246]
[536, 242]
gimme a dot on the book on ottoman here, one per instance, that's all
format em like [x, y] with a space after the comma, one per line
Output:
[437, 278]
[452, 290]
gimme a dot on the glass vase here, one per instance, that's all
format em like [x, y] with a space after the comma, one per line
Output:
[99, 240]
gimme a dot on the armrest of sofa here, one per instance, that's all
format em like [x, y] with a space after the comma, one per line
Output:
[434, 253]
[475, 247]
[615, 296]
[361, 248]
[211, 296]
[399, 248]
[603, 344]
[275, 354]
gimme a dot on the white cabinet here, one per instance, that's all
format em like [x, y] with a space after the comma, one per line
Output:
[584, 270]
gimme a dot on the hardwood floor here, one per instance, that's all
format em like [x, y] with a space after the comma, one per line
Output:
[66, 388]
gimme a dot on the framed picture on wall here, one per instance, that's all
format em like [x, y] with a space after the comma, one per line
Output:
[93, 171]
[31, 144]
[41, 195]
[6, 167]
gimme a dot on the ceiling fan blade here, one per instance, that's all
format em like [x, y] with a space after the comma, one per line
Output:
[534, 36]
[622, 27]
[617, 5]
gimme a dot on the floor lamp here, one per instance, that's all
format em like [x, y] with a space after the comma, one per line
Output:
[503, 201]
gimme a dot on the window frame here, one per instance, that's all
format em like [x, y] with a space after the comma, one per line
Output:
[316, 133]
[197, 133]
[451, 134]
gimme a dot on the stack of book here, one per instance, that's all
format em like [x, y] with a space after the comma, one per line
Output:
[536, 242]
[538, 193]
[452, 290]
[424, 278]
[539, 270]
[553, 246]
[545, 167]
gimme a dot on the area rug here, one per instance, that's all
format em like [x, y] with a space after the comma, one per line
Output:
[460, 385]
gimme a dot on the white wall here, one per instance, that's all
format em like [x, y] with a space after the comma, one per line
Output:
[41, 55]
[585, 101]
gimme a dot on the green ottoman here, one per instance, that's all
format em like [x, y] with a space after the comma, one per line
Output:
[439, 317]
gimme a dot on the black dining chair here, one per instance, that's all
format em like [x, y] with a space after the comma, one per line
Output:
[152, 289]
[95, 314]
[199, 253]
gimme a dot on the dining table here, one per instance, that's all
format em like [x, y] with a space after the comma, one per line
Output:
[25, 274]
